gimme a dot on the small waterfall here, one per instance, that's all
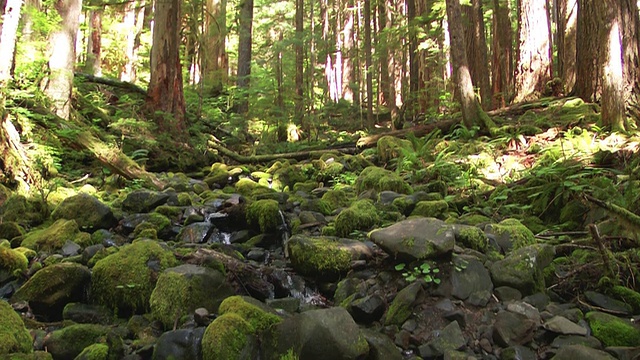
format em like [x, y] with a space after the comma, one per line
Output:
[284, 229]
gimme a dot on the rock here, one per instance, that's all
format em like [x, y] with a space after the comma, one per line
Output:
[143, 200]
[562, 341]
[471, 237]
[605, 302]
[317, 335]
[226, 337]
[68, 342]
[53, 287]
[94, 352]
[125, 280]
[390, 147]
[14, 337]
[325, 256]
[135, 224]
[581, 352]
[562, 325]
[512, 329]
[432, 209]
[182, 289]
[539, 300]
[507, 293]
[379, 179]
[624, 352]
[12, 262]
[195, 233]
[18, 209]
[90, 251]
[202, 317]
[510, 234]
[367, 309]
[10, 230]
[612, 330]
[264, 216]
[181, 344]
[380, 346]
[87, 314]
[523, 308]
[471, 278]
[70, 249]
[256, 313]
[522, 268]
[387, 197]
[288, 304]
[449, 338]
[416, 239]
[55, 236]
[361, 215]
[402, 305]
[517, 353]
[89, 213]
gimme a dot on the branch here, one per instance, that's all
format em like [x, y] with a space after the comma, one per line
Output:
[113, 82]
[623, 214]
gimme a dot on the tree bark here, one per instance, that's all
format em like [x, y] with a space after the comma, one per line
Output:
[214, 58]
[613, 104]
[534, 62]
[244, 54]
[476, 49]
[631, 44]
[368, 62]
[63, 56]
[566, 41]
[588, 50]
[165, 92]
[299, 49]
[134, 22]
[386, 96]
[93, 64]
[502, 63]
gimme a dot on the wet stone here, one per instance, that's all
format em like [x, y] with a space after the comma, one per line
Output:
[608, 303]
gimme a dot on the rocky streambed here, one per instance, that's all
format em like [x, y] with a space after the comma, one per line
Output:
[238, 264]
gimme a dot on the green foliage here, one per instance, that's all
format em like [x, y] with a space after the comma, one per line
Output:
[425, 271]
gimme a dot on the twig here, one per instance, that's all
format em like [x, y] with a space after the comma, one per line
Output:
[606, 256]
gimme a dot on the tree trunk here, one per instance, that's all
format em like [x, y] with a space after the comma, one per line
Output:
[613, 113]
[414, 69]
[93, 64]
[165, 91]
[476, 49]
[631, 44]
[244, 54]
[588, 52]
[8, 32]
[566, 41]
[214, 58]
[385, 98]
[63, 56]
[502, 63]
[368, 62]
[534, 62]
[134, 23]
[299, 97]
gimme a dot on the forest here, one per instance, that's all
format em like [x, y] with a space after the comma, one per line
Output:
[348, 179]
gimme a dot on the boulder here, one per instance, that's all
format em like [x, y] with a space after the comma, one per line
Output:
[182, 289]
[612, 330]
[12, 262]
[512, 329]
[581, 352]
[53, 287]
[68, 342]
[361, 215]
[181, 344]
[522, 268]
[143, 200]
[196, 233]
[447, 339]
[510, 234]
[226, 337]
[89, 213]
[379, 179]
[401, 307]
[14, 337]
[416, 239]
[470, 276]
[54, 237]
[260, 316]
[265, 216]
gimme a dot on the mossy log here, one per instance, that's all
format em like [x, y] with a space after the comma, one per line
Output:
[418, 131]
[113, 82]
[625, 216]
[246, 277]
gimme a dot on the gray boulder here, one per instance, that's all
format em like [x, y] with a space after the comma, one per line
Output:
[581, 352]
[522, 268]
[181, 344]
[469, 277]
[88, 212]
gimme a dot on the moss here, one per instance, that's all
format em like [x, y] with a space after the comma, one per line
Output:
[289, 355]
[306, 186]
[12, 262]
[55, 236]
[519, 234]
[329, 230]
[14, 337]
[436, 209]
[627, 295]
[101, 254]
[218, 176]
[225, 337]
[155, 221]
[94, 352]
[36, 355]
[22, 211]
[259, 319]
[398, 313]
[28, 253]
[319, 255]
[317, 205]
[473, 238]
[361, 215]
[336, 199]
[474, 219]
[171, 212]
[245, 186]
[613, 331]
[124, 280]
[379, 179]
[10, 230]
[390, 147]
[264, 215]
[330, 171]
[70, 341]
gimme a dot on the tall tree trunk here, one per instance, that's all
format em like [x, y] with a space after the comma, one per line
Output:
[476, 49]
[567, 11]
[368, 62]
[631, 61]
[472, 113]
[214, 58]
[502, 63]
[347, 50]
[134, 23]
[384, 97]
[244, 54]
[63, 56]
[613, 112]
[588, 52]
[8, 34]
[414, 70]
[165, 92]
[299, 97]
[534, 61]
[93, 64]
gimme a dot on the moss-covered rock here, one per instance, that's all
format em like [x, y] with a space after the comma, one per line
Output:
[522, 269]
[22, 211]
[157, 222]
[10, 230]
[246, 186]
[55, 236]
[218, 176]
[325, 256]
[361, 215]
[510, 234]
[143, 200]
[70, 341]
[12, 263]
[379, 179]
[284, 174]
[390, 147]
[402, 305]
[225, 337]
[336, 198]
[612, 330]
[329, 170]
[52, 287]
[88, 212]
[264, 215]
[125, 280]
[629, 296]
[182, 289]
[471, 237]
[434, 209]
[94, 352]
[14, 337]
[259, 315]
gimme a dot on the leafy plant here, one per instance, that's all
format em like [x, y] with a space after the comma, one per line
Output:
[425, 271]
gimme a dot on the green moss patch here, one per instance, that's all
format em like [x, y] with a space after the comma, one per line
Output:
[379, 179]
[251, 310]
[55, 236]
[14, 337]
[225, 337]
[264, 215]
[361, 215]
[612, 330]
[319, 256]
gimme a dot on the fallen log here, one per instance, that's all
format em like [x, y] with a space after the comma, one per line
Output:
[418, 131]
[113, 82]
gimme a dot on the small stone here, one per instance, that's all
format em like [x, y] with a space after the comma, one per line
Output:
[70, 248]
[201, 316]
[608, 303]
[562, 325]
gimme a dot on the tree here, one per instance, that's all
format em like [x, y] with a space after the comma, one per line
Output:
[62, 43]
[588, 52]
[214, 58]
[368, 61]
[630, 27]
[613, 112]
[502, 60]
[472, 113]
[93, 64]
[533, 69]
[566, 14]
[299, 97]
[386, 95]
[165, 91]
[476, 50]
[244, 54]
[133, 21]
